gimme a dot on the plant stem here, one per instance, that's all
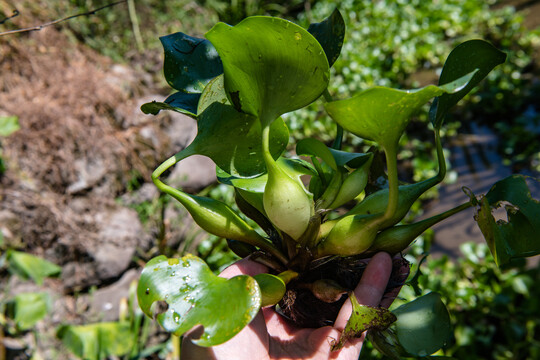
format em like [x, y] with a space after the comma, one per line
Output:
[339, 130]
[393, 183]
[440, 156]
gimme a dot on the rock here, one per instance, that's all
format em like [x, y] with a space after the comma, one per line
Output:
[119, 233]
[193, 173]
[104, 303]
[10, 227]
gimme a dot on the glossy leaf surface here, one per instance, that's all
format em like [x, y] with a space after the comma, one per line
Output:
[381, 114]
[271, 66]
[466, 57]
[195, 296]
[518, 236]
[330, 33]
[272, 289]
[190, 62]
[233, 140]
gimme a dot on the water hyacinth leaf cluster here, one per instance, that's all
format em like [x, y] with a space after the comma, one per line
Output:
[266, 67]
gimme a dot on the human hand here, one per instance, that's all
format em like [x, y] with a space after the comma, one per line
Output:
[271, 336]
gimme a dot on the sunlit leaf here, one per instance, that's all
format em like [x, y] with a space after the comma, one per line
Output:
[517, 237]
[271, 66]
[190, 62]
[30, 266]
[233, 140]
[98, 341]
[26, 309]
[8, 125]
[272, 289]
[381, 114]
[469, 56]
[330, 33]
[195, 296]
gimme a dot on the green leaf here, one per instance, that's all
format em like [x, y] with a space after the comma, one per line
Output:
[381, 114]
[352, 160]
[30, 266]
[422, 328]
[213, 92]
[517, 237]
[313, 147]
[271, 66]
[233, 140]
[364, 318]
[97, 341]
[8, 125]
[195, 296]
[190, 62]
[330, 33]
[466, 57]
[26, 309]
[184, 103]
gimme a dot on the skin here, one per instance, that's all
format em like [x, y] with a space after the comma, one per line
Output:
[270, 336]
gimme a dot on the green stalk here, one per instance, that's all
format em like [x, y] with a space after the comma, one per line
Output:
[397, 238]
[339, 130]
[209, 213]
[440, 156]
[393, 183]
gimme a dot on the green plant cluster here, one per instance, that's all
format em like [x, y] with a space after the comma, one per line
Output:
[404, 43]
[495, 311]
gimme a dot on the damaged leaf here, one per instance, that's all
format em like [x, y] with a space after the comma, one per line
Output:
[517, 237]
[195, 296]
[364, 318]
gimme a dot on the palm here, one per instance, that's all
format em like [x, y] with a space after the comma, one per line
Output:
[270, 336]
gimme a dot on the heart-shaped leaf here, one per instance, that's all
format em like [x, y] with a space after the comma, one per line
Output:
[381, 114]
[195, 296]
[330, 33]
[517, 237]
[466, 57]
[184, 103]
[233, 140]
[190, 62]
[271, 66]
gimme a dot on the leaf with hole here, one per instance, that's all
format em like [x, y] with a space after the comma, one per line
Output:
[195, 296]
[517, 236]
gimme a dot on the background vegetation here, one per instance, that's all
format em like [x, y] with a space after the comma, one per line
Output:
[394, 43]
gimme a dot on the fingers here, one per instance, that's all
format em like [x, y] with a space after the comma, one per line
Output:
[371, 288]
[244, 267]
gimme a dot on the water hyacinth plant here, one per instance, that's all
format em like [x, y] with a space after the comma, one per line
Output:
[236, 84]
